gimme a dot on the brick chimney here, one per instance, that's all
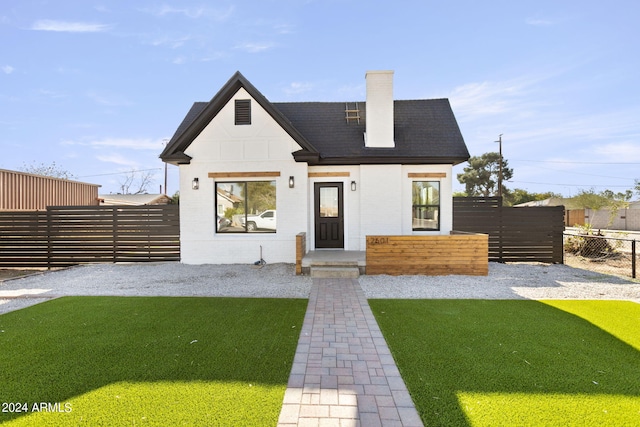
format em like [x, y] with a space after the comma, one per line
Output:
[379, 115]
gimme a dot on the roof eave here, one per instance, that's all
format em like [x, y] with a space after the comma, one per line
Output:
[385, 160]
[176, 158]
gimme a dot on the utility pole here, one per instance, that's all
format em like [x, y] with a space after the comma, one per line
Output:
[499, 141]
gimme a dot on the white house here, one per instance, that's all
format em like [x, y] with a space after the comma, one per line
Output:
[338, 171]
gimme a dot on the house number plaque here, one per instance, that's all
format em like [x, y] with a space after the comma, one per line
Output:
[377, 240]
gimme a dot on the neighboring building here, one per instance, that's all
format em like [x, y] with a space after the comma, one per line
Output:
[627, 219]
[134, 199]
[568, 203]
[25, 191]
[338, 171]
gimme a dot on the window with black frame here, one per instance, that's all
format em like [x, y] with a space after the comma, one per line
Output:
[426, 205]
[245, 207]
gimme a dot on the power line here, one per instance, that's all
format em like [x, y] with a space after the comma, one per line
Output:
[583, 173]
[571, 185]
[577, 163]
[120, 173]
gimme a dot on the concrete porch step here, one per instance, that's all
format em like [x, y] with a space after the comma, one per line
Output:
[335, 272]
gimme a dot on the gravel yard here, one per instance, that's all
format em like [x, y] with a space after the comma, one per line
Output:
[505, 281]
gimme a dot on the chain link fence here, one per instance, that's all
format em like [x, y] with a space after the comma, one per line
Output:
[608, 255]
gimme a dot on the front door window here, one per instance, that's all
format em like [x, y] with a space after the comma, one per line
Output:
[329, 216]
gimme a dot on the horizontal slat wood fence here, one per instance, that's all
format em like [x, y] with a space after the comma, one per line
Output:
[465, 254]
[69, 235]
[515, 234]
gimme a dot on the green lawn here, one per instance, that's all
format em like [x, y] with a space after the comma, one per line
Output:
[148, 361]
[517, 363]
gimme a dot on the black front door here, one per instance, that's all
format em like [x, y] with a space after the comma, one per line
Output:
[329, 216]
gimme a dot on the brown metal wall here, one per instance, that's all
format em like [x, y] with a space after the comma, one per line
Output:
[24, 191]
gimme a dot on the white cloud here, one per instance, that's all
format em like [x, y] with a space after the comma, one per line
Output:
[539, 22]
[108, 100]
[193, 12]
[51, 94]
[296, 88]
[251, 47]
[284, 29]
[618, 152]
[8, 69]
[118, 159]
[126, 143]
[172, 43]
[487, 98]
[188, 12]
[69, 27]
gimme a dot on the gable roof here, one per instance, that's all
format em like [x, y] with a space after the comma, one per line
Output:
[425, 131]
[202, 113]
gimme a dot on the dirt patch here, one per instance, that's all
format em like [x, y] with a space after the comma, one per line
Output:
[10, 273]
[618, 265]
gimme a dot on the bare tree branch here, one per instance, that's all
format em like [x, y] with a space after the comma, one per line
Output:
[136, 182]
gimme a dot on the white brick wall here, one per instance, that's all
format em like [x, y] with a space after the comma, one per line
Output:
[380, 201]
[224, 147]
[379, 112]
[624, 219]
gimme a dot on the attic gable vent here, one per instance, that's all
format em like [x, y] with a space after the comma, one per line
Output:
[243, 112]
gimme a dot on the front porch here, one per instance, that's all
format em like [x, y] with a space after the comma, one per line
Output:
[457, 253]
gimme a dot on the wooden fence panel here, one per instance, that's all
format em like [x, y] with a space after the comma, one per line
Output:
[69, 235]
[429, 255]
[515, 234]
[23, 239]
[574, 217]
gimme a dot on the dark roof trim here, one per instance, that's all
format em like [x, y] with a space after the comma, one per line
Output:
[377, 160]
[174, 152]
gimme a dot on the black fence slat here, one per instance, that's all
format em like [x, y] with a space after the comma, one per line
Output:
[515, 234]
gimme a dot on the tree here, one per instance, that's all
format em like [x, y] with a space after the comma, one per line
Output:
[481, 176]
[52, 170]
[136, 182]
[175, 199]
[518, 195]
[607, 199]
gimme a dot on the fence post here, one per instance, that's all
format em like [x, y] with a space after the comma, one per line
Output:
[48, 239]
[633, 258]
[500, 231]
[114, 219]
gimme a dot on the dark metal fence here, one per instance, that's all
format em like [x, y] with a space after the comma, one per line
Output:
[69, 235]
[515, 234]
[609, 255]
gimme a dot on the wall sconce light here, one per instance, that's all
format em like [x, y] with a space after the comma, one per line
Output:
[291, 182]
[353, 186]
[195, 184]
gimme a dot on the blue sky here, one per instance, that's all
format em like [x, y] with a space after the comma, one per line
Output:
[97, 86]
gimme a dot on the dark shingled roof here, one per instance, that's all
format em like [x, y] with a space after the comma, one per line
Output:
[425, 131]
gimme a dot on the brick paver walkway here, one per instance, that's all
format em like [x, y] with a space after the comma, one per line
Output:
[343, 373]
